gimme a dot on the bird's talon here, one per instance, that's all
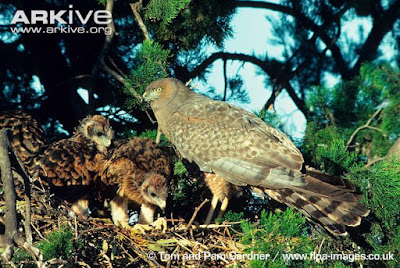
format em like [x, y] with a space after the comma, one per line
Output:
[140, 228]
[160, 224]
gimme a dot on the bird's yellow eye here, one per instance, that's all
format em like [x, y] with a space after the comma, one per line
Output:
[158, 89]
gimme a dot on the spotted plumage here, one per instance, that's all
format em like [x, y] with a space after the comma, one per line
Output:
[26, 138]
[222, 191]
[71, 167]
[240, 148]
[138, 170]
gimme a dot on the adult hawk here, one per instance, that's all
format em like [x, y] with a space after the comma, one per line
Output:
[239, 147]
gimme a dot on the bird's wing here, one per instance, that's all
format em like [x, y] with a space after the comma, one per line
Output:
[67, 163]
[235, 144]
[145, 153]
[26, 134]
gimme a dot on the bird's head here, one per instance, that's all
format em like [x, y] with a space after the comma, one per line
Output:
[97, 129]
[161, 92]
[155, 189]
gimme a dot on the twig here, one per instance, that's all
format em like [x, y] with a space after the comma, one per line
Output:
[373, 162]
[366, 125]
[195, 214]
[153, 121]
[27, 197]
[135, 9]
[159, 133]
[205, 226]
[173, 252]
[114, 74]
[39, 233]
[120, 79]
[225, 80]
[188, 82]
[11, 234]
[116, 67]
[29, 248]
[100, 59]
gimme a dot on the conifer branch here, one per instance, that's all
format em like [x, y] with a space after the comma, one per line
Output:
[366, 125]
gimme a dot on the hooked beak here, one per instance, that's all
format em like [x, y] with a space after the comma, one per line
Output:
[106, 141]
[149, 96]
[144, 97]
[162, 204]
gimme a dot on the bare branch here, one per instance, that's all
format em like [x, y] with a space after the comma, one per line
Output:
[366, 125]
[135, 9]
[382, 24]
[320, 31]
[116, 67]
[100, 59]
[27, 198]
[373, 162]
[188, 82]
[114, 74]
[264, 65]
[11, 233]
[301, 104]
[9, 196]
[197, 209]
[270, 102]
[225, 81]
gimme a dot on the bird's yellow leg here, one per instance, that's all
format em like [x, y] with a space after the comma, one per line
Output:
[214, 203]
[146, 218]
[224, 205]
[160, 224]
[140, 228]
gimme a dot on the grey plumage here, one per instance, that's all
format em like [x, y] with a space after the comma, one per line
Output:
[239, 147]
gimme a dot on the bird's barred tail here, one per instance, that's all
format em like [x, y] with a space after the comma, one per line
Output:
[334, 210]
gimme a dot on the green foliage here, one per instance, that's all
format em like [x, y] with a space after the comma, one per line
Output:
[59, 244]
[327, 150]
[152, 134]
[318, 104]
[151, 60]
[334, 158]
[277, 233]
[232, 216]
[338, 112]
[287, 223]
[165, 10]
[179, 168]
[271, 118]
[187, 190]
[200, 21]
[380, 185]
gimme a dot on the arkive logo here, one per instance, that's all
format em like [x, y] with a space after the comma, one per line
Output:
[54, 17]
